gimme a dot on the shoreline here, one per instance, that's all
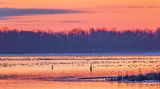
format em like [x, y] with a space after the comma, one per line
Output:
[87, 54]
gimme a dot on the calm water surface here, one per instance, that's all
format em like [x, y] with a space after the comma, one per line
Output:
[40, 72]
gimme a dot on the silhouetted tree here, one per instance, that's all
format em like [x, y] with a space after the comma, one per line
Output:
[79, 41]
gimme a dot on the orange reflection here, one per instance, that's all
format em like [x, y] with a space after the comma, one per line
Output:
[79, 66]
[28, 84]
[28, 69]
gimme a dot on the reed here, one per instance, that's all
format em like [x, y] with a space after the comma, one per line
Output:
[139, 77]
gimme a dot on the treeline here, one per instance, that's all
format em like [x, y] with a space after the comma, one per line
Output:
[79, 41]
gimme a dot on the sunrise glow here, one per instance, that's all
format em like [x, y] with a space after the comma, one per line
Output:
[124, 14]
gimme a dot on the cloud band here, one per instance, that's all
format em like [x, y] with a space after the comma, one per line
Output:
[8, 12]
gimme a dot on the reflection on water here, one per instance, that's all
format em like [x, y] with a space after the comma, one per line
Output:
[27, 84]
[79, 66]
[26, 72]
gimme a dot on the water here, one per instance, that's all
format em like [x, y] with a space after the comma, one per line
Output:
[60, 72]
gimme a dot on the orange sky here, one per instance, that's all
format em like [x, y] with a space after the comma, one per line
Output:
[120, 14]
[75, 3]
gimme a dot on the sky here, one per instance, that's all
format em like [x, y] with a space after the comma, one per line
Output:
[65, 15]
